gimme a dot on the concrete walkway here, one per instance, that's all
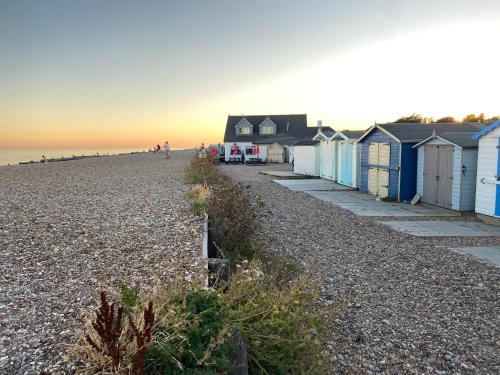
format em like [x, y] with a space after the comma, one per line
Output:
[489, 254]
[366, 205]
[287, 175]
[440, 228]
[312, 185]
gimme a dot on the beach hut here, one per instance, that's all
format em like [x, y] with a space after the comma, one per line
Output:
[488, 171]
[307, 157]
[327, 152]
[347, 156]
[446, 170]
[389, 161]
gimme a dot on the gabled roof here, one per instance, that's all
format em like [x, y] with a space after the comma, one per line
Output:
[461, 139]
[412, 132]
[295, 125]
[349, 134]
[486, 130]
[325, 132]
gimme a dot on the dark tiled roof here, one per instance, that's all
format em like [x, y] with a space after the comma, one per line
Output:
[462, 139]
[353, 134]
[306, 142]
[417, 132]
[289, 128]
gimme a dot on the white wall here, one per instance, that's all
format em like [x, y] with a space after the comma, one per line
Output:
[487, 169]
[306, 160]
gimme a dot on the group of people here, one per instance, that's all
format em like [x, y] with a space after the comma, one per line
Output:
[165, 149]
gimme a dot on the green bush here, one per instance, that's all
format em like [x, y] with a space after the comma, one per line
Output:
[197, 327]
[281, 326]
[201, 170]
[192, 326]
[235, 219]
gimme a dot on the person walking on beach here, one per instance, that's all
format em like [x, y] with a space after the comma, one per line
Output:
[166, 149]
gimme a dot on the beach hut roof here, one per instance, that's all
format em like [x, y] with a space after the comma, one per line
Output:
[349, 134]
[486, 130]
[461, 139]
[412, 132]
[307, 142]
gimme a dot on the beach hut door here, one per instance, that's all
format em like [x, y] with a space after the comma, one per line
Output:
[346, 171]
[438, 175]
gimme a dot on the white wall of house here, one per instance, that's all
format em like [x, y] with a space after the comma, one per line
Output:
[307, 160]
[487, 172]
[290, 154]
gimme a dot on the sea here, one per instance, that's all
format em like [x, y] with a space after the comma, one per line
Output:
[14, 156]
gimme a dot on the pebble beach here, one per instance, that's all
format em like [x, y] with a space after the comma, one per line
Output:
[69, 230]
[403, 304]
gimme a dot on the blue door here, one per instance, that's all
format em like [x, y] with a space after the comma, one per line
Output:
[497, 200]
[346, 175]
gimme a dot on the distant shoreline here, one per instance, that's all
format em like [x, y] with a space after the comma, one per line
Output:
[73, 156]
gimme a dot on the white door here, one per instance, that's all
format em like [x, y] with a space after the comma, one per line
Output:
[383, 183]
[372, 181]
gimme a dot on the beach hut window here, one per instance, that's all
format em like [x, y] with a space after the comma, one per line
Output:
[379, 153]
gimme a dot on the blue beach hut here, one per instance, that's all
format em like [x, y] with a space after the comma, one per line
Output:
[389, 161]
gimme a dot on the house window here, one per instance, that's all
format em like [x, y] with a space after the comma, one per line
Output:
[245, 130]
[268, 129]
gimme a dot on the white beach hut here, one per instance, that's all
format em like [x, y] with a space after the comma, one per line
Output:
[446, 170]
[306, 157]
[327, 152]
[488, 171]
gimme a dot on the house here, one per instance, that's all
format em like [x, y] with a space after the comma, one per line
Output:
[307, 157]
[447, 169]
[389, 161]
[488, 170]
[348, 157]
[273, 136]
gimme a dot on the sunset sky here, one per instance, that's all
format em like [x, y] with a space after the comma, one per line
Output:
[135, 73]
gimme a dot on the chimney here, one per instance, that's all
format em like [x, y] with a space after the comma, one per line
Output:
[320, 124]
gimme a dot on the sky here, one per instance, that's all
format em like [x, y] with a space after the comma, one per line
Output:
[136, 73]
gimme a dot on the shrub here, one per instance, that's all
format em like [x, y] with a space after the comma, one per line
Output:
[190, 330]
[201, 170]
[198, 196]
[281, 326]
[235, 216]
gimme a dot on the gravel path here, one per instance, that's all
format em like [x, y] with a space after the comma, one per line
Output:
[404, 304]
[70, 229]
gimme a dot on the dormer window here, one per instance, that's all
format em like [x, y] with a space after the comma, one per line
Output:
[244, 127]
[267, 130]
[267, 127]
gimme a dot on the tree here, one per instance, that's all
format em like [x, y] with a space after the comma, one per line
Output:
[447, 119]
[472, 117]
[492, 119]
[413, 118]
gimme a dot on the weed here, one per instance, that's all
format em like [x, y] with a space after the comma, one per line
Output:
[109, 329]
